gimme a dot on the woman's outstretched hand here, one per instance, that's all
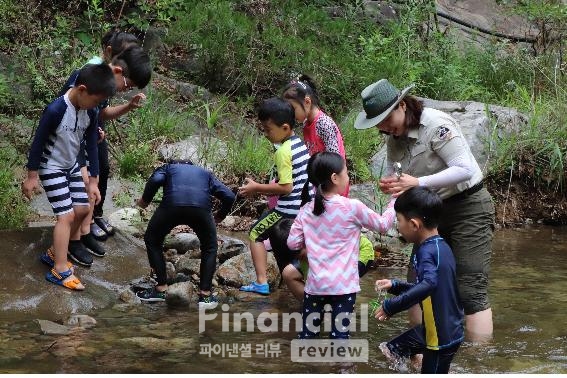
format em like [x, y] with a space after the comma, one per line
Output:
[394, 186]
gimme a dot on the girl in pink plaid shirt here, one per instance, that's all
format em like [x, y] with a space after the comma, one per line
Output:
[329, 228]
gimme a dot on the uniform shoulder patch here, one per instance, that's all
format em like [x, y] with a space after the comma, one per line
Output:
[444, 133]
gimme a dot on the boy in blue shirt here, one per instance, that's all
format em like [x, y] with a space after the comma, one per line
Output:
[53, 160]
[418, 211]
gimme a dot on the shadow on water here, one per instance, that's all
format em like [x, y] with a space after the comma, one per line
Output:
[527, 292]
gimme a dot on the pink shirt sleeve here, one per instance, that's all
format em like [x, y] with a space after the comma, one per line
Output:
[372, 220]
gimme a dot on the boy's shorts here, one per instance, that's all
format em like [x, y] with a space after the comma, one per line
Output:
[302, 266]
[64, 188]
[260, 231]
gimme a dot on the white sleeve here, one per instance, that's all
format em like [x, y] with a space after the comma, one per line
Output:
[458, 170]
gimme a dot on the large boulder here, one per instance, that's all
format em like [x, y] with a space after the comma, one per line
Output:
[230, 247]
[182, 242]
[203, 150]
[129, 221]
[239, 271]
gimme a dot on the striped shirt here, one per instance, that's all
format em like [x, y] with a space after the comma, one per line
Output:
[291, 163]
[58, 137]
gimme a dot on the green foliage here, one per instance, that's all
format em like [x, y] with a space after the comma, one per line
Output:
[95, 14]
[360, 145]
[537, 152]
[249, 49]
[161, 120]
[248, 154]
[14, 208]
[156, 12]
[136, 159]
[160, 117]
[5, 95]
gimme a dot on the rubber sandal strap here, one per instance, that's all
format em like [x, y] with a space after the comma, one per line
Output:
[51, 255]
[59, 278]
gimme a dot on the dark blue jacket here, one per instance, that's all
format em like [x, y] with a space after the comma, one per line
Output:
[435, 291]
[185, 184]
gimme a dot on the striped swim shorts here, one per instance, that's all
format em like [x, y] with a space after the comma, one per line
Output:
[64, 188]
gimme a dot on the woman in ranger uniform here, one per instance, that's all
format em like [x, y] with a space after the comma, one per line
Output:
[434, 153]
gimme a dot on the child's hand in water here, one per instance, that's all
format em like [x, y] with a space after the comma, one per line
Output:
[383, 285]
[381, 315]
[247, 188]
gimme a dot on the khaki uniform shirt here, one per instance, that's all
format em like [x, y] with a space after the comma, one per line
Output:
[426, 149]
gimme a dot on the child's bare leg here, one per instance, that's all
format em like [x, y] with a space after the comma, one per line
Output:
[61, 234]
[81, 216]
[86, 223]
[260, 260]
[294, 281]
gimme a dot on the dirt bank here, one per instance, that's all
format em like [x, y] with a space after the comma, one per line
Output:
[518, 202]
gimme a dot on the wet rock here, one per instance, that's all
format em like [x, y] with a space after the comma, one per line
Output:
[182, 242]
[128, 296]
[128, 220]
[229, 248]
[142, 283]
[51, 328]
[180, 277]
[188, 265]
[153, 40]
[180, 294]
[239, 271]
[194, 254]
[171, 255]
[162, 345]
[81, 321]
[229, 222]
[170, 271]
[187, 90]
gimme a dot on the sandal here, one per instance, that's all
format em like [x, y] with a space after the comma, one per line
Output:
[60, 277]
[48, 258]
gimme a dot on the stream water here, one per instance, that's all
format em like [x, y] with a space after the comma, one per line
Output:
[527, 292]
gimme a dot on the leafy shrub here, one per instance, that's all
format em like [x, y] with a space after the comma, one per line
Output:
[14, 208]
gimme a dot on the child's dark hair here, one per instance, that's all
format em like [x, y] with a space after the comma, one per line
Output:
[135, 64]
[278, 239]
[278, 110]
[320, 168]
[422, 203]
[118, 41]
[98, 79]
[299, 89]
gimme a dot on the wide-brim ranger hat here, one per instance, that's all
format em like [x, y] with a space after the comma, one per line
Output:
[378, 101]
